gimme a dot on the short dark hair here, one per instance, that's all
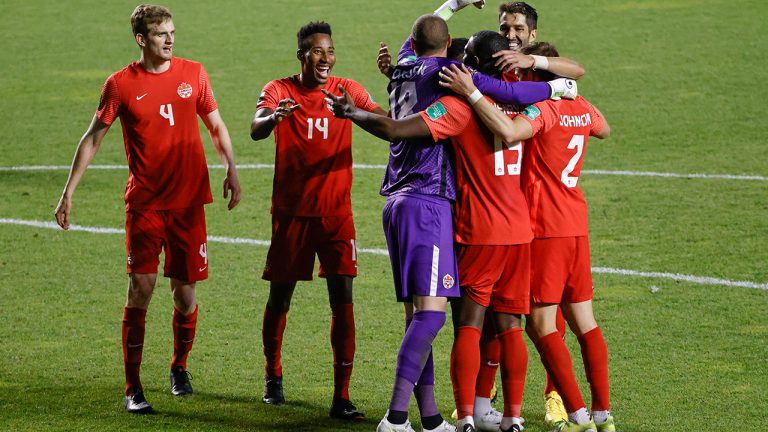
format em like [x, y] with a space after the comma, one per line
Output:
[481, 48]
[430, 34]
[456, 50]
[308, 30]
[146, 14]
[545, 49]
[522, 8]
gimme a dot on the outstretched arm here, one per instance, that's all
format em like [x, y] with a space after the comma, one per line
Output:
[509, 130]
[265, 119]
[560, 66]
[379, 125]
[86, 150]
[223, 145]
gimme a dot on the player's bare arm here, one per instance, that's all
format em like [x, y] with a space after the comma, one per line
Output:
[459, 80]
[560, 66]
[223, 145]
[86, 150]
[375, 123]
[605, 132]
[265, 119]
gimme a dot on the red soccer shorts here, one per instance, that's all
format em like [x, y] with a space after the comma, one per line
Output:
[180, 232]
[560, 270]
[496, 276]
[296, 240]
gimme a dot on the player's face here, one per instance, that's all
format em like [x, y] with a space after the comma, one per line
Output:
[159, 41]
[318, 60]
[514, 27]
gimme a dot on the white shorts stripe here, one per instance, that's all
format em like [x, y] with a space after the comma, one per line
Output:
[435, 269]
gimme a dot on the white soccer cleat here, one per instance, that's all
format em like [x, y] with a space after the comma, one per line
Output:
[443, 427]
[564, 88]
[488, 422]
[386, 426]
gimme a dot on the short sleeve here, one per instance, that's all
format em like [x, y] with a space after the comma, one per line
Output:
[360, 96]
[537, 115]
[447, 117]
[206, 103]
[598, 121]
[270, 96]
[109, 104]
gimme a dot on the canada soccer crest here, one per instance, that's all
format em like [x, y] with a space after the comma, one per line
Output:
[448, 281]
[184, 90]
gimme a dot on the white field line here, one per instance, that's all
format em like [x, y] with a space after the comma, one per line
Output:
[701, 280]
[381, 167]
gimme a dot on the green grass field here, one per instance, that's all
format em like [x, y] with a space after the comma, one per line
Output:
[681, 82]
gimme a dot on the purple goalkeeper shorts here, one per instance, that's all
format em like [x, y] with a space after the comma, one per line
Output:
[419, 231]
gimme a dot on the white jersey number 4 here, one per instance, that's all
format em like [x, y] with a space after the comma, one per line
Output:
[166, 111]
[577, 142]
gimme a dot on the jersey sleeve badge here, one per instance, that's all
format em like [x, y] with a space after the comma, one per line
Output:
[436, 111]
[532, 112]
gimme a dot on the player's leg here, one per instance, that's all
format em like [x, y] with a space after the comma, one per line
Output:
[514, 365]
[290, 258]
[184, 325]
[485, 392]
[272, 330]
[554, 410]
[144, 239]
[140, 289]
[465, 357]
[577, 309]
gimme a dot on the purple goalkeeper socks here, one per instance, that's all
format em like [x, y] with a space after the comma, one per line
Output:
[414, 352]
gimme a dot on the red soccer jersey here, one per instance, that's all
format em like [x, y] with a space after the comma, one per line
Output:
[490, 205]
[313, 155]
[158, 114]
[552, 165]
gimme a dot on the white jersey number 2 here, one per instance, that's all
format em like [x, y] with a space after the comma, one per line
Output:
[166, 111]
[577, 142]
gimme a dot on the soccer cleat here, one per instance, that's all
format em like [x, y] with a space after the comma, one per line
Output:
[517, 425]
[180, 384]
[386, 426]
[465, 425]
[488, 422]
[567, 426]
[135, 403]
[343, 409]
[494, 394]
[606, 426]
[563, 88]
[554, 410]
[273, 390]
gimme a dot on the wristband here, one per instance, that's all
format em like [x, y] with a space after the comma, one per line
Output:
[475, 96]
[540, 62]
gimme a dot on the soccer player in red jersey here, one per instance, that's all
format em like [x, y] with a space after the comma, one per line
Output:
[560, 271]
[158, 99]
[311, 206]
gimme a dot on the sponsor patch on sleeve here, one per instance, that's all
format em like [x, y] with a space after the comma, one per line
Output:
[436, 111]
[370, 97]
[532, 112]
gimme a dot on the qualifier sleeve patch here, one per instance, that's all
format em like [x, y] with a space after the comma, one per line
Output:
[532, 112]
[436, 111]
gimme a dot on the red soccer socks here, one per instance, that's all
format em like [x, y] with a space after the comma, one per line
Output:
[514, 364]
[465, 363]
[133, 344]
[595, 355]
[272, 338]
[183, 336]
[557, 360]
[343, 345]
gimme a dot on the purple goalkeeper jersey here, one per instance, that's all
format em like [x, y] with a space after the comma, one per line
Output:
[419, 165]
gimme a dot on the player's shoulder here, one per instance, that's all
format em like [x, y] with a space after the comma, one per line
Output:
[334, 81]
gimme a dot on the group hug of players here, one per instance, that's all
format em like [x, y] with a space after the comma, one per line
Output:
[483, 209]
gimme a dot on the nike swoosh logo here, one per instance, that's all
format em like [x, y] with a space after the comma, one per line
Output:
[135, 346]
[202, 268]
[346, 364]
[141, 97]
[187, 341]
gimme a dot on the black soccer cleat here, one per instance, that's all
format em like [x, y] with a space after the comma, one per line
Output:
[273, 390]
[343, 409]
[180, 384]
[136, 403]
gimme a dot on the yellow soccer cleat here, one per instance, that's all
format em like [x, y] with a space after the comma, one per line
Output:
[606, 426]
[554, 410]
[566, 426]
